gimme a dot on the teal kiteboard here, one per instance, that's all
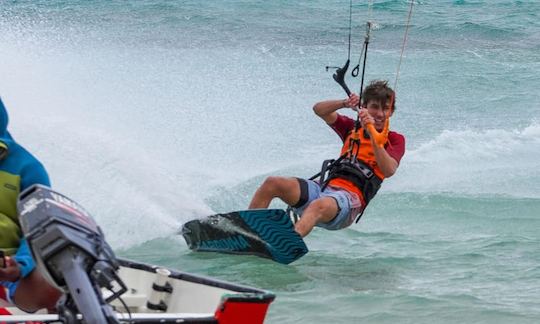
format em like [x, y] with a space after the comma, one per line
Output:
[267, 233]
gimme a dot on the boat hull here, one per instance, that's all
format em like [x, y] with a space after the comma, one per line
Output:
[160, 295]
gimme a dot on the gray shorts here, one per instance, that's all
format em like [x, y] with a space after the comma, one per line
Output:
[349, 205]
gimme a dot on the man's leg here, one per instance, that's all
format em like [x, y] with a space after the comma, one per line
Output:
[34, 293]
[287, 189]
[321, 210]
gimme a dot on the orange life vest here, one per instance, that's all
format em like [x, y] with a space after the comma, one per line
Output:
[358, 170]
[364, 152]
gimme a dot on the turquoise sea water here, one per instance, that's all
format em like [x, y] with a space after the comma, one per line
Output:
[150, 113]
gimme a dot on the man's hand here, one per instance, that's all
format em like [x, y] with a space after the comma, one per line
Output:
[352, 101]
[365, 117]
[11, 272]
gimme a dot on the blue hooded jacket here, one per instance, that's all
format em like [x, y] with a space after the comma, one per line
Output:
[18, 170]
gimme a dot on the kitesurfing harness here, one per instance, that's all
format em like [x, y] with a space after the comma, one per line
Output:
[359, 167]
[353, 170]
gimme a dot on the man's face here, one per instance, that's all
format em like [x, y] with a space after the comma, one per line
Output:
[379, 113]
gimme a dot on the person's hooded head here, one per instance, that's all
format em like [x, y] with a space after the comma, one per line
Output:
[17, 160]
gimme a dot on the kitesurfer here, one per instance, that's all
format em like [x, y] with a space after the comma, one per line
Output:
[370, 153]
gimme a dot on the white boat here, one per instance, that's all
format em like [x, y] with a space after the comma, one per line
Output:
[160, 295]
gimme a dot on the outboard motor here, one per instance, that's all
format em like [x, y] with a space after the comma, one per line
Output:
[71, 253]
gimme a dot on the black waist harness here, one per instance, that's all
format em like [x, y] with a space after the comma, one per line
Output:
[353, 170]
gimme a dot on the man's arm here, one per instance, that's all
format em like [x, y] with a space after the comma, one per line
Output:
[386, 163]
[34, 173]
[327, 109]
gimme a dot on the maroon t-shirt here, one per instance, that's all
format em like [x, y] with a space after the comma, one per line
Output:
[395, 145]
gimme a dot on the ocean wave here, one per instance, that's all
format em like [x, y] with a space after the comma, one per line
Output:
[470, 29]
[497, 161]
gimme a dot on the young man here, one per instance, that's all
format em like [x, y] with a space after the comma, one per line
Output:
[369, 154]
[22, 284]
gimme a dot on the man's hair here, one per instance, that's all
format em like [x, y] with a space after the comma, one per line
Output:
[379, 91]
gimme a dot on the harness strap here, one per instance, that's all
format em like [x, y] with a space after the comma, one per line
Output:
[318, 174]
[355, 171]
[327, 167]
